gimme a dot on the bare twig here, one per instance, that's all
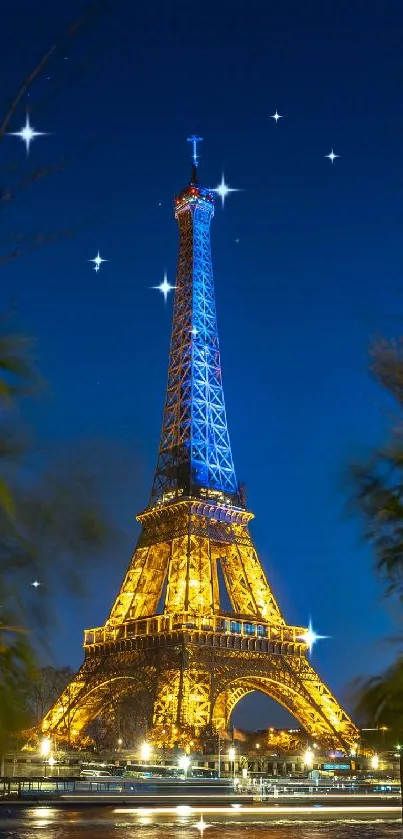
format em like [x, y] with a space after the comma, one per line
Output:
[24, 87]
[36, 242]
[8, 194]
[71, 33]
[76, 74]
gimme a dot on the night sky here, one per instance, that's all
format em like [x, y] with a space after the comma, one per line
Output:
[307, 263]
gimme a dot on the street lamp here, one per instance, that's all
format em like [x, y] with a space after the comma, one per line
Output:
[45, 747]
[52, 762]
[231, 755]
[400, 755]
[145, 751]
[308, 758]
[375, 762]
[184, 763]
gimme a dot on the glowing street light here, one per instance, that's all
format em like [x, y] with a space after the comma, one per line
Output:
[45, 746]
[308, 758]
[184, 763]
[145, 751]
[231, 755]
[375, 762]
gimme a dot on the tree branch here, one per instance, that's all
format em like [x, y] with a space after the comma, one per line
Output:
[70, 34]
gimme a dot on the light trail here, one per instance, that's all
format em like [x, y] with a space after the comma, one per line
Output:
[272, 811]
[378, 796]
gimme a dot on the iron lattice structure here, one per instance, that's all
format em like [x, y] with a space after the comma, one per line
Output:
[167, 634]
[195, 452]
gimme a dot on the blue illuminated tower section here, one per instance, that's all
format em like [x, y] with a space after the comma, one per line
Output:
[194, 458]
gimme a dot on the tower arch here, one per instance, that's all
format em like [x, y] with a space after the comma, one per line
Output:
[84, 699]
[299, 704]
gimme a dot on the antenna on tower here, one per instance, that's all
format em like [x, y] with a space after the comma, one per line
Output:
[194, 140]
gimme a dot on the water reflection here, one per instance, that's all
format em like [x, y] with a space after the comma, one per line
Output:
[53, 823]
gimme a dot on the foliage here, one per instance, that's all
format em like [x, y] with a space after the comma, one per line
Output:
[381, 698]
[379, 481]
[18, 378]
[60, 522]
[53, 517]
[16, 671]
[379, 498]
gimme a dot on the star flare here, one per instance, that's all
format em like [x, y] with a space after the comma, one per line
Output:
[310, 637]
[201, 825]
[27, 134]
[332, 156]
[165, 287]
[223, 189]
[36, 584]
[276, 116]
[98, 261]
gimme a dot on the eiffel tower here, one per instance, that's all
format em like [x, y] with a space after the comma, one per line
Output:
[168, 634]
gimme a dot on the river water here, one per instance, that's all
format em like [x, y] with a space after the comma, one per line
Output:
[51, 823]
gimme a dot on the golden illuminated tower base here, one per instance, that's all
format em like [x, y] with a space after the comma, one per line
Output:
[194, 661]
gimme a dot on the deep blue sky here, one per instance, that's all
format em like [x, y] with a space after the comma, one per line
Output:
[316, 273]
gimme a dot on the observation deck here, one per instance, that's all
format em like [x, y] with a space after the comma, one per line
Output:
[223, 631]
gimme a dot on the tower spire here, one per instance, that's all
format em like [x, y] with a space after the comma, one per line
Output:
[194, 458]
[194, 140]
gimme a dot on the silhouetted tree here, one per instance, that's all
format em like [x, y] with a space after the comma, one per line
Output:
[122, 722]
[53, 516]
[52, 520]
[44, 689]
[379, 498]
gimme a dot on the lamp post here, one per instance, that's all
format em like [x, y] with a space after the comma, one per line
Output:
[400, 753]
[308, 759]
[231, 755]
[184, 763]
[145, 752]
[45, 748]
[51, 763]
